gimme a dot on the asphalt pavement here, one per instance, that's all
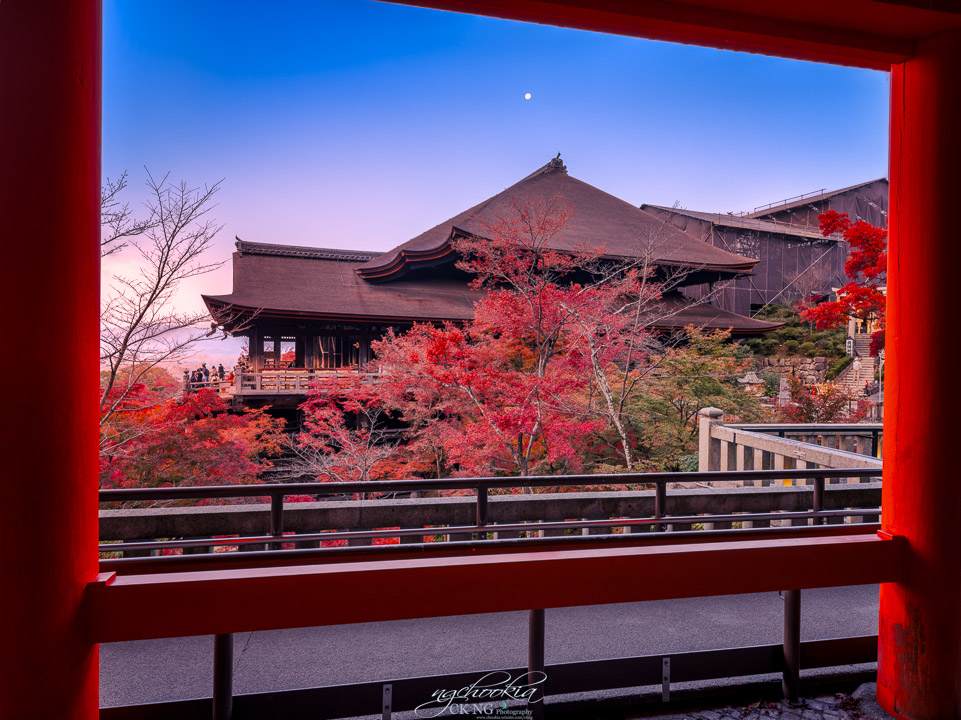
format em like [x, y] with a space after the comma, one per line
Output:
[182, 668]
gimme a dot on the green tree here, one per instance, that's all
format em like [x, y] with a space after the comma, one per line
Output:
[701, 372]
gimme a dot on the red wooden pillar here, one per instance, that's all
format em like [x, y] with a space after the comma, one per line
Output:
[919, 667]
[50, 56]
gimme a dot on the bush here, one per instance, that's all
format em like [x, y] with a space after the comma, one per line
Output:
[792, 346]
[791, 333]
[839, 365]
[772, 384]
[769, 346]
[808, 348]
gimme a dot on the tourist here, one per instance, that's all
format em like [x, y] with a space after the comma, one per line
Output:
[206, 373]
[856, 369]
[220, 371]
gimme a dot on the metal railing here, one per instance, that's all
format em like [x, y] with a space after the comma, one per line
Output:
[482, 529]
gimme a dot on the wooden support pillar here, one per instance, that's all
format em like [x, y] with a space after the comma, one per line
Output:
[919, 661]
[49, 201]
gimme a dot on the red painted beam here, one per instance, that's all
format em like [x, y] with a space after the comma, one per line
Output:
[222, 601]
[859, 33]
[919, 666]
[49, 202]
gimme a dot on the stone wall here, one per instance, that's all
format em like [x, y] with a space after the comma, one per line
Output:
[808, 370]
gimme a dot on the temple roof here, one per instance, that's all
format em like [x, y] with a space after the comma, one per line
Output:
[598, 220]
[297, 282]
[744, 222]
[676, 312]
[780, 206]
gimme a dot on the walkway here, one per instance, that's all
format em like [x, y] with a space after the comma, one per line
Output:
[179, 668]
[859, 705]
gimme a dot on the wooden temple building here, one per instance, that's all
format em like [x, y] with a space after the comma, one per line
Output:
[794, 259]
[310, 310]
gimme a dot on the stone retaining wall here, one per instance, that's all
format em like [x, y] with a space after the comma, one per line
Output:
[808, 370]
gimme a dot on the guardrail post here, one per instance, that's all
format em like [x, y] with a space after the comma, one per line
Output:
[387, 701]
[709, 448]
[535, 659]
[818, 499]
[481, 514]
[791, 677]
[223, 700]
[276, 518]
[660, 504]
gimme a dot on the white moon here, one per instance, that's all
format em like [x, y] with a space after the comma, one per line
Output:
[527, 96]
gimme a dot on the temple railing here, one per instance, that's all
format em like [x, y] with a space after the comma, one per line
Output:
[741, 447]
[286, 381]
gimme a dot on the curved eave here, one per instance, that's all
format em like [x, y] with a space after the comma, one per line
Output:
[405, 261]
[245, 311]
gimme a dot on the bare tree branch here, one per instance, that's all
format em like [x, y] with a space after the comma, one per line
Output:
[139, 326]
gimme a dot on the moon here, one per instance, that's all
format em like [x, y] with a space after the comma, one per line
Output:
[527, 96]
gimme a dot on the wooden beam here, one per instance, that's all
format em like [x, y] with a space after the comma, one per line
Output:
[222, 601]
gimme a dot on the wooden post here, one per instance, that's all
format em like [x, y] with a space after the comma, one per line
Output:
[50, 90]
[709, 448]
[919, 662]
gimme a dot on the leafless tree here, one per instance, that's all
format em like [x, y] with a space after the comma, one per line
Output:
[116, 219]
[140, 328]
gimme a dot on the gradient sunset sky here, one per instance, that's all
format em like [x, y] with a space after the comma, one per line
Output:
[359, 124]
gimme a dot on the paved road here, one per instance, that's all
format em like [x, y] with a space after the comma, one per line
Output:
[156, 670]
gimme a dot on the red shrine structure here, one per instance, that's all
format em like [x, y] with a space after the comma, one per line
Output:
[55, 606]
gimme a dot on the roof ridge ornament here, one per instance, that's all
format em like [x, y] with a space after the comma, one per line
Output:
[557, 164]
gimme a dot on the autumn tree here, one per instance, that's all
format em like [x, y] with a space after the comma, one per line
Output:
[188, 440]
[700, 371]
[554, 358]
[344, 436]
[823, 403]
[514, 377]
[866, 268]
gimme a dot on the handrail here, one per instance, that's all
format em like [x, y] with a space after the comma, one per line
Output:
[808, 428]
[275, 537]
[489, 483]
[500, 527]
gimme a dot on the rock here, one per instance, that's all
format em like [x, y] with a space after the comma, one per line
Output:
[867, 696]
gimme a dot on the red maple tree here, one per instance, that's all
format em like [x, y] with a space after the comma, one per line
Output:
[344, 436]
[866, 268]
[155, 438]
[506, 391]
[828, 403]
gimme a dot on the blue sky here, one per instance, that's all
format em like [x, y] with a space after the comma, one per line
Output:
[356, 124]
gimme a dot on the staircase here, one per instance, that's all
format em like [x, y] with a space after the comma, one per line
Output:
[862, 346]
